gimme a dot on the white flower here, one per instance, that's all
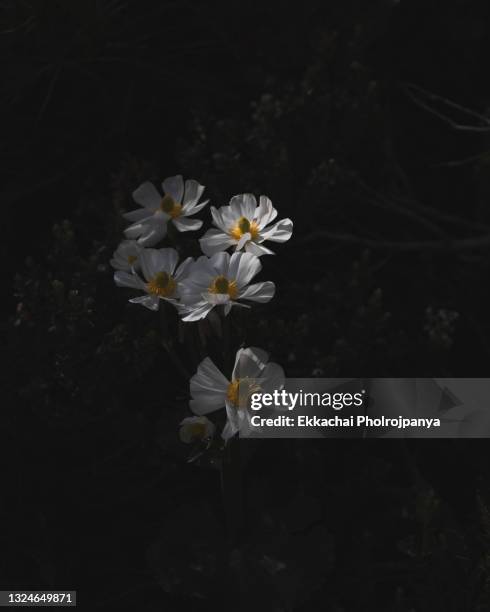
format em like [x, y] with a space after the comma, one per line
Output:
[162, 277]
[210, 389]
[222, 280]
[126, 256]
[178, 203]
[243, 224]
[196, 428]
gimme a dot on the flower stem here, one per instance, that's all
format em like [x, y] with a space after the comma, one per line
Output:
[227, 361]
[167, 341]
[232, 492]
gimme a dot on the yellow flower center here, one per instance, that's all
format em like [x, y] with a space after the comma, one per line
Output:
[169, 206]
[223, 285]
[131, 259]
[240, 390]
[244, 226]
[162, 284]
[197, 430]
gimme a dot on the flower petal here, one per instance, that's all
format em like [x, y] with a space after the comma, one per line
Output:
[174, 187]
[125, 279]
[259, 292]
[151, 302]
[222, 218]
[266, 213]
[196, 311]
[137, 215]
[208, 388]
[167, 260]
[193, 191]
[191, 209]
[216, 299]
[249, 205]
[147, 195]
[153, 237]
[257, 249]
[214, 241]
[158, 260]
[243, 205]
[279, 232]
[126, 256]
[149, 231]
[220, 262]
[272, 378]
[184, 269]
[250, 362]
[184, 224]
[243, 267]
[243, 241]
[228, 431]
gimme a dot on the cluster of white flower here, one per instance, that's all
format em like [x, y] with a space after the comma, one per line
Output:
[195, 287]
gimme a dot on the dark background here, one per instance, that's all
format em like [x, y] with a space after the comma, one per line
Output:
[386, 275]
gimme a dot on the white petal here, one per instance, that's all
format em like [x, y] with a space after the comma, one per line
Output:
[151, 302]
[208, 388]
[250, 362]
[174, 187]
[166, 260]
[154, 234]
[257, 249]
[149, 231]
[191, 209]
[184, 269]
[266, 213]
[127, 249]
[118, 263]
[134, 231]
[197, 311]
[232, 418]
[194, 284]
[259, 292]
[227, 432]
[272, 378]
[236, 205]
[279, 232]
[243, 241]
[125, 279]
[249, 206]
[193, 191]
[184, 224]
[173, 301]
[230, 216]
[137, 215]
[243, 267]
[158, 260]
[146, 261]
[147, 195]
[219, 217]
[214, 241]
[217, 299]
[243, 205]
[220, 262]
